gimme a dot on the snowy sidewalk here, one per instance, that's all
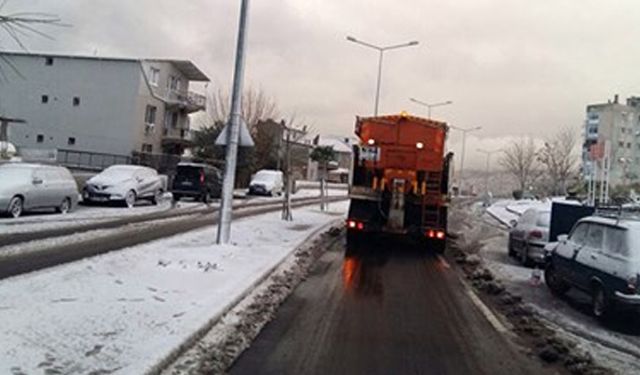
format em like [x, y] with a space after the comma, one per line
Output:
[125, 311]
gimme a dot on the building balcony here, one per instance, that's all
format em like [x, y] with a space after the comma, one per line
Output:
[188, 101]
[177, 136]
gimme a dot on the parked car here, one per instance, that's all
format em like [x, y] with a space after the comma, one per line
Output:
[199, 181]
[529, 236]
[600, 257]
[125, 183]
[25, 187]
[266, 182]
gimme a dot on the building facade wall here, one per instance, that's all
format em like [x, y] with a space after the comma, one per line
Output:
[619, 125]
[100, 119]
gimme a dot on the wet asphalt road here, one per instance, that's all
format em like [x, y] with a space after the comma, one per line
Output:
[386, 312]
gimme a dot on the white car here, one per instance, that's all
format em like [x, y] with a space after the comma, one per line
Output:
[266, 182]
[125, 183]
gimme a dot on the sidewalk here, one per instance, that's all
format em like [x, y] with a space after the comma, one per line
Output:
[125, 311]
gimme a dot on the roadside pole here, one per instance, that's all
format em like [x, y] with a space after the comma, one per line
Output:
[224, 224]
[286, 208]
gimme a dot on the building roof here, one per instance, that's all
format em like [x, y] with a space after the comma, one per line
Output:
[186, 67]
[338, 144]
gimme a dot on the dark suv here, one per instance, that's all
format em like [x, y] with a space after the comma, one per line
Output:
[195, 180]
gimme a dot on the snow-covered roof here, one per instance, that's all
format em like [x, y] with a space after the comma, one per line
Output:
[339, 144]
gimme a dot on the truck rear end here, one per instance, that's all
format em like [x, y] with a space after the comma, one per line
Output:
[400, 180]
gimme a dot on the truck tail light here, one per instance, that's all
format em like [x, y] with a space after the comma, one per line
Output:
[438, 234]
[202, 177]
[352, 224]
[535, 234]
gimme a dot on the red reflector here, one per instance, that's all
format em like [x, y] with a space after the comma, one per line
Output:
[202, 177]
[360, 226]
[431, 233]
[440, 235]
[535, 234]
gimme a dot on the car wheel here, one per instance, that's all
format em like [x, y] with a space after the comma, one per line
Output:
[64, 207]
[555, 283]
[16, 206]
[206, 198]
[130, 198]
[176, 197]
[600, 302]
[157, 197]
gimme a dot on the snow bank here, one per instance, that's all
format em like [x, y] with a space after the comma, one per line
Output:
[125, 311]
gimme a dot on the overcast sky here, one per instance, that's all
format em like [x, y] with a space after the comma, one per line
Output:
[514, 67]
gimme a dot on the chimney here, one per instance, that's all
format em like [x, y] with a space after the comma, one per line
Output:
[615, 98]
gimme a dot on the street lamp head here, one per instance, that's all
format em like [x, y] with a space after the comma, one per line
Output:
[351, 39]
[448, 102]
[413, 43]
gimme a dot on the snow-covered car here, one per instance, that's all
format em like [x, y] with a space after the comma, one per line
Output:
[529, 236]
[125, 183]
[601, 257]
[266, 182]
[25, 187]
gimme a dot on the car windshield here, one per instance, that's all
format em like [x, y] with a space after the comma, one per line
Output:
[544, 219]
[266, 176]
[11, 174]
[118, 172]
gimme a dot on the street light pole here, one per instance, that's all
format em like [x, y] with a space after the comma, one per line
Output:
[381, 51]
[430, 105]
[224, 222]
[464, 144]
[488, 153]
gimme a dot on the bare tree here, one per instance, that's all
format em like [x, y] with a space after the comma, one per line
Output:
[520, 160]
[559, 159]
[21, 25]
[256, 106]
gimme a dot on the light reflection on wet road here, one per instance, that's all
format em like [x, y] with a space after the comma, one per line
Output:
[386, 310]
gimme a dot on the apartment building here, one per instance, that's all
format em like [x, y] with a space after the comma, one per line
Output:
[88, 105]
[618, 125]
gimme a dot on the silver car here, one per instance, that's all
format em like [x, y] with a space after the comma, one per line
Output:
[529, 236]
[25, 187]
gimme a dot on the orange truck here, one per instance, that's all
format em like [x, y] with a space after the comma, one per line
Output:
[400, 180]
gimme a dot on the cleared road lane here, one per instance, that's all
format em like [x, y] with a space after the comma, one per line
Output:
[391, 311]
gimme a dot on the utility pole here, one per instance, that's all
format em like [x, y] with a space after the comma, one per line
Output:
[488, 153]
[430, 105]
[381, 51]
[464, 144]
[286, 204]
[226, 204]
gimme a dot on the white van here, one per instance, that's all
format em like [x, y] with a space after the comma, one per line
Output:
[267, 182]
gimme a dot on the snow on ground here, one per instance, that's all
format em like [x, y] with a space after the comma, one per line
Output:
[124, 311]
[616, 344]
[48, 220]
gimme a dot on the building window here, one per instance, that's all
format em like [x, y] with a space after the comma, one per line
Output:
[629, 145]
[40, 138]
[174, 120]
[174, 83]
[620, 144]
[45, 99]
[154, 76]
[150, 115]
[48, 61]
[76, 101]
[71, 141]
[147, 148]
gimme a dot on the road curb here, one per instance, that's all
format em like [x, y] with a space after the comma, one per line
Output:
[193, 339]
